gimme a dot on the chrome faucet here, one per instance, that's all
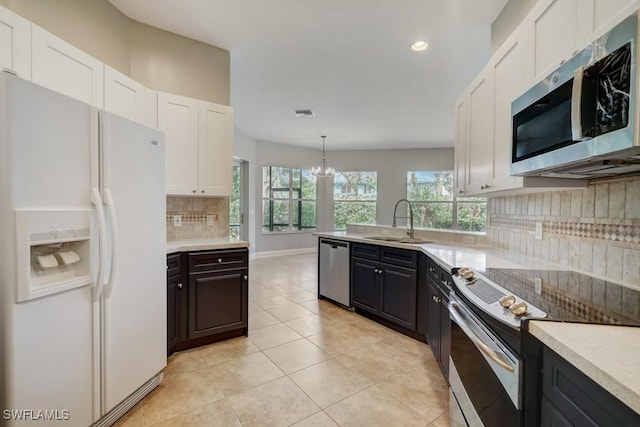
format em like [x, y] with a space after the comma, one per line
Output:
[410, 231]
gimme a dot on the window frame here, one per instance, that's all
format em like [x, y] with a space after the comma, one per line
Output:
[294, 226]
[374, 202]
[454, 202]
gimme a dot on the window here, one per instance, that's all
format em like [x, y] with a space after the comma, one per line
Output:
[288, 199]
[235, 212]
[435, 206]
[354, 198]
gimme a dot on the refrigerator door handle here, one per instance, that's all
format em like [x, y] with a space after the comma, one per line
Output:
[108, 198]
[102, 237]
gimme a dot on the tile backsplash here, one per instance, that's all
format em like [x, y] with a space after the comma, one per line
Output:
[195, 212]
[595, 230]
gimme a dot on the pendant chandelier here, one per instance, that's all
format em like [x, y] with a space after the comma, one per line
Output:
[323, 170]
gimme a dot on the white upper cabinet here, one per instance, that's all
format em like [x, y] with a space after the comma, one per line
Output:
[596, 17]
[178, 117]
[150, 108]
[480, 142]
[215, 160]
[553, 26]
[64, 68]
[512, 71]
[460, 151]
[123, 95]
[199, 145]
[15, 43]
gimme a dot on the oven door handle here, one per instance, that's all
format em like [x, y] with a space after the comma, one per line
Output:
[454, 310]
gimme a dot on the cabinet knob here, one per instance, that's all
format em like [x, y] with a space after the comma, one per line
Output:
[202, 191]
[461, 192]
[562, 62]
[375, 270]
[431, 269]
[219, 260]
[575, 52]
[179, 285]
[246, 277]
[380, 271]
[194, 191]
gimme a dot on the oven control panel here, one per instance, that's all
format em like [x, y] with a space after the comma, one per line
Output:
[494, 299]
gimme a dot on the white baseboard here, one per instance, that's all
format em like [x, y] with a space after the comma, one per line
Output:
[268, 254]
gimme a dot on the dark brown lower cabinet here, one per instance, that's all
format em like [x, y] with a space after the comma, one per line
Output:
[438, 321]
[176, 302]
[570, 398]
[208, 300]
[384, 283]
[217, 302]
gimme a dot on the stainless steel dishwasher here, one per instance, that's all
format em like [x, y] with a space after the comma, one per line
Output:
[333, 271]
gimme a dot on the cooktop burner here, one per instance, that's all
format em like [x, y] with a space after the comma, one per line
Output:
[571, 296]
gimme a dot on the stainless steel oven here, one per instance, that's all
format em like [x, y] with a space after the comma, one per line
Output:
[484, 374]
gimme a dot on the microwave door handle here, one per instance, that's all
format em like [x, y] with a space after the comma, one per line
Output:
[576, 106]
[490, 353]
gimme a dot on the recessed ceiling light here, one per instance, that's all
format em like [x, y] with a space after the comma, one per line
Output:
[419, 46]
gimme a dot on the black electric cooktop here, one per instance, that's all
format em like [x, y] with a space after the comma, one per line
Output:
[571, 296]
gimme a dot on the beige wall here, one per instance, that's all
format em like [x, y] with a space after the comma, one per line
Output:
[510, 17]
[172, 63]
[158, 59]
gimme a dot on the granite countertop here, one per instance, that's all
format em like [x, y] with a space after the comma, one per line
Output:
[605, 353]
[205, 244]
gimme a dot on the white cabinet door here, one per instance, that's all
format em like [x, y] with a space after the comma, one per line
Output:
[460, 151]
[480, 148]
[215, 161]
[123, 95]
[15, 43]
[554, 34]
[511, 67]
[178, 117]
[150, 108]
[596, 17]
[64, 68]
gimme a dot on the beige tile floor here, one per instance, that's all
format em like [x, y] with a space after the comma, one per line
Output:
[305, 363]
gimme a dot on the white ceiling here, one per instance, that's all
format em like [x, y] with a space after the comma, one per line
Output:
[348, 60]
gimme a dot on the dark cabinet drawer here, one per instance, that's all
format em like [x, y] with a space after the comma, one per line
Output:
[400, 257]
[174, 265]
[361, 250]
[200, 262]
[433, 270]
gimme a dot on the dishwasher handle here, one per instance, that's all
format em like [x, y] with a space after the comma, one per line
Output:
[335, 244]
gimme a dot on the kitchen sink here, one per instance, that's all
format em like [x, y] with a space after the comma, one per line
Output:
[408, 240]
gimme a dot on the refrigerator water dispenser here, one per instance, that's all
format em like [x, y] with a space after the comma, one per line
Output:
[55, 251]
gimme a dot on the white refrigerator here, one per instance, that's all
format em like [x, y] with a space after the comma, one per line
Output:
[82, 260]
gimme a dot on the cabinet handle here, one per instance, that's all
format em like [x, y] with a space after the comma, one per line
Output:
[431, 269]
[219, 260]
[246, 277]
[179, 285]
[562, 62]
[194, 191]
[575, 52]
[461, 191]
[484, 187]
[445, 282]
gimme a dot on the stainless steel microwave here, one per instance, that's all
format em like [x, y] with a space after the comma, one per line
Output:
[580, 122]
